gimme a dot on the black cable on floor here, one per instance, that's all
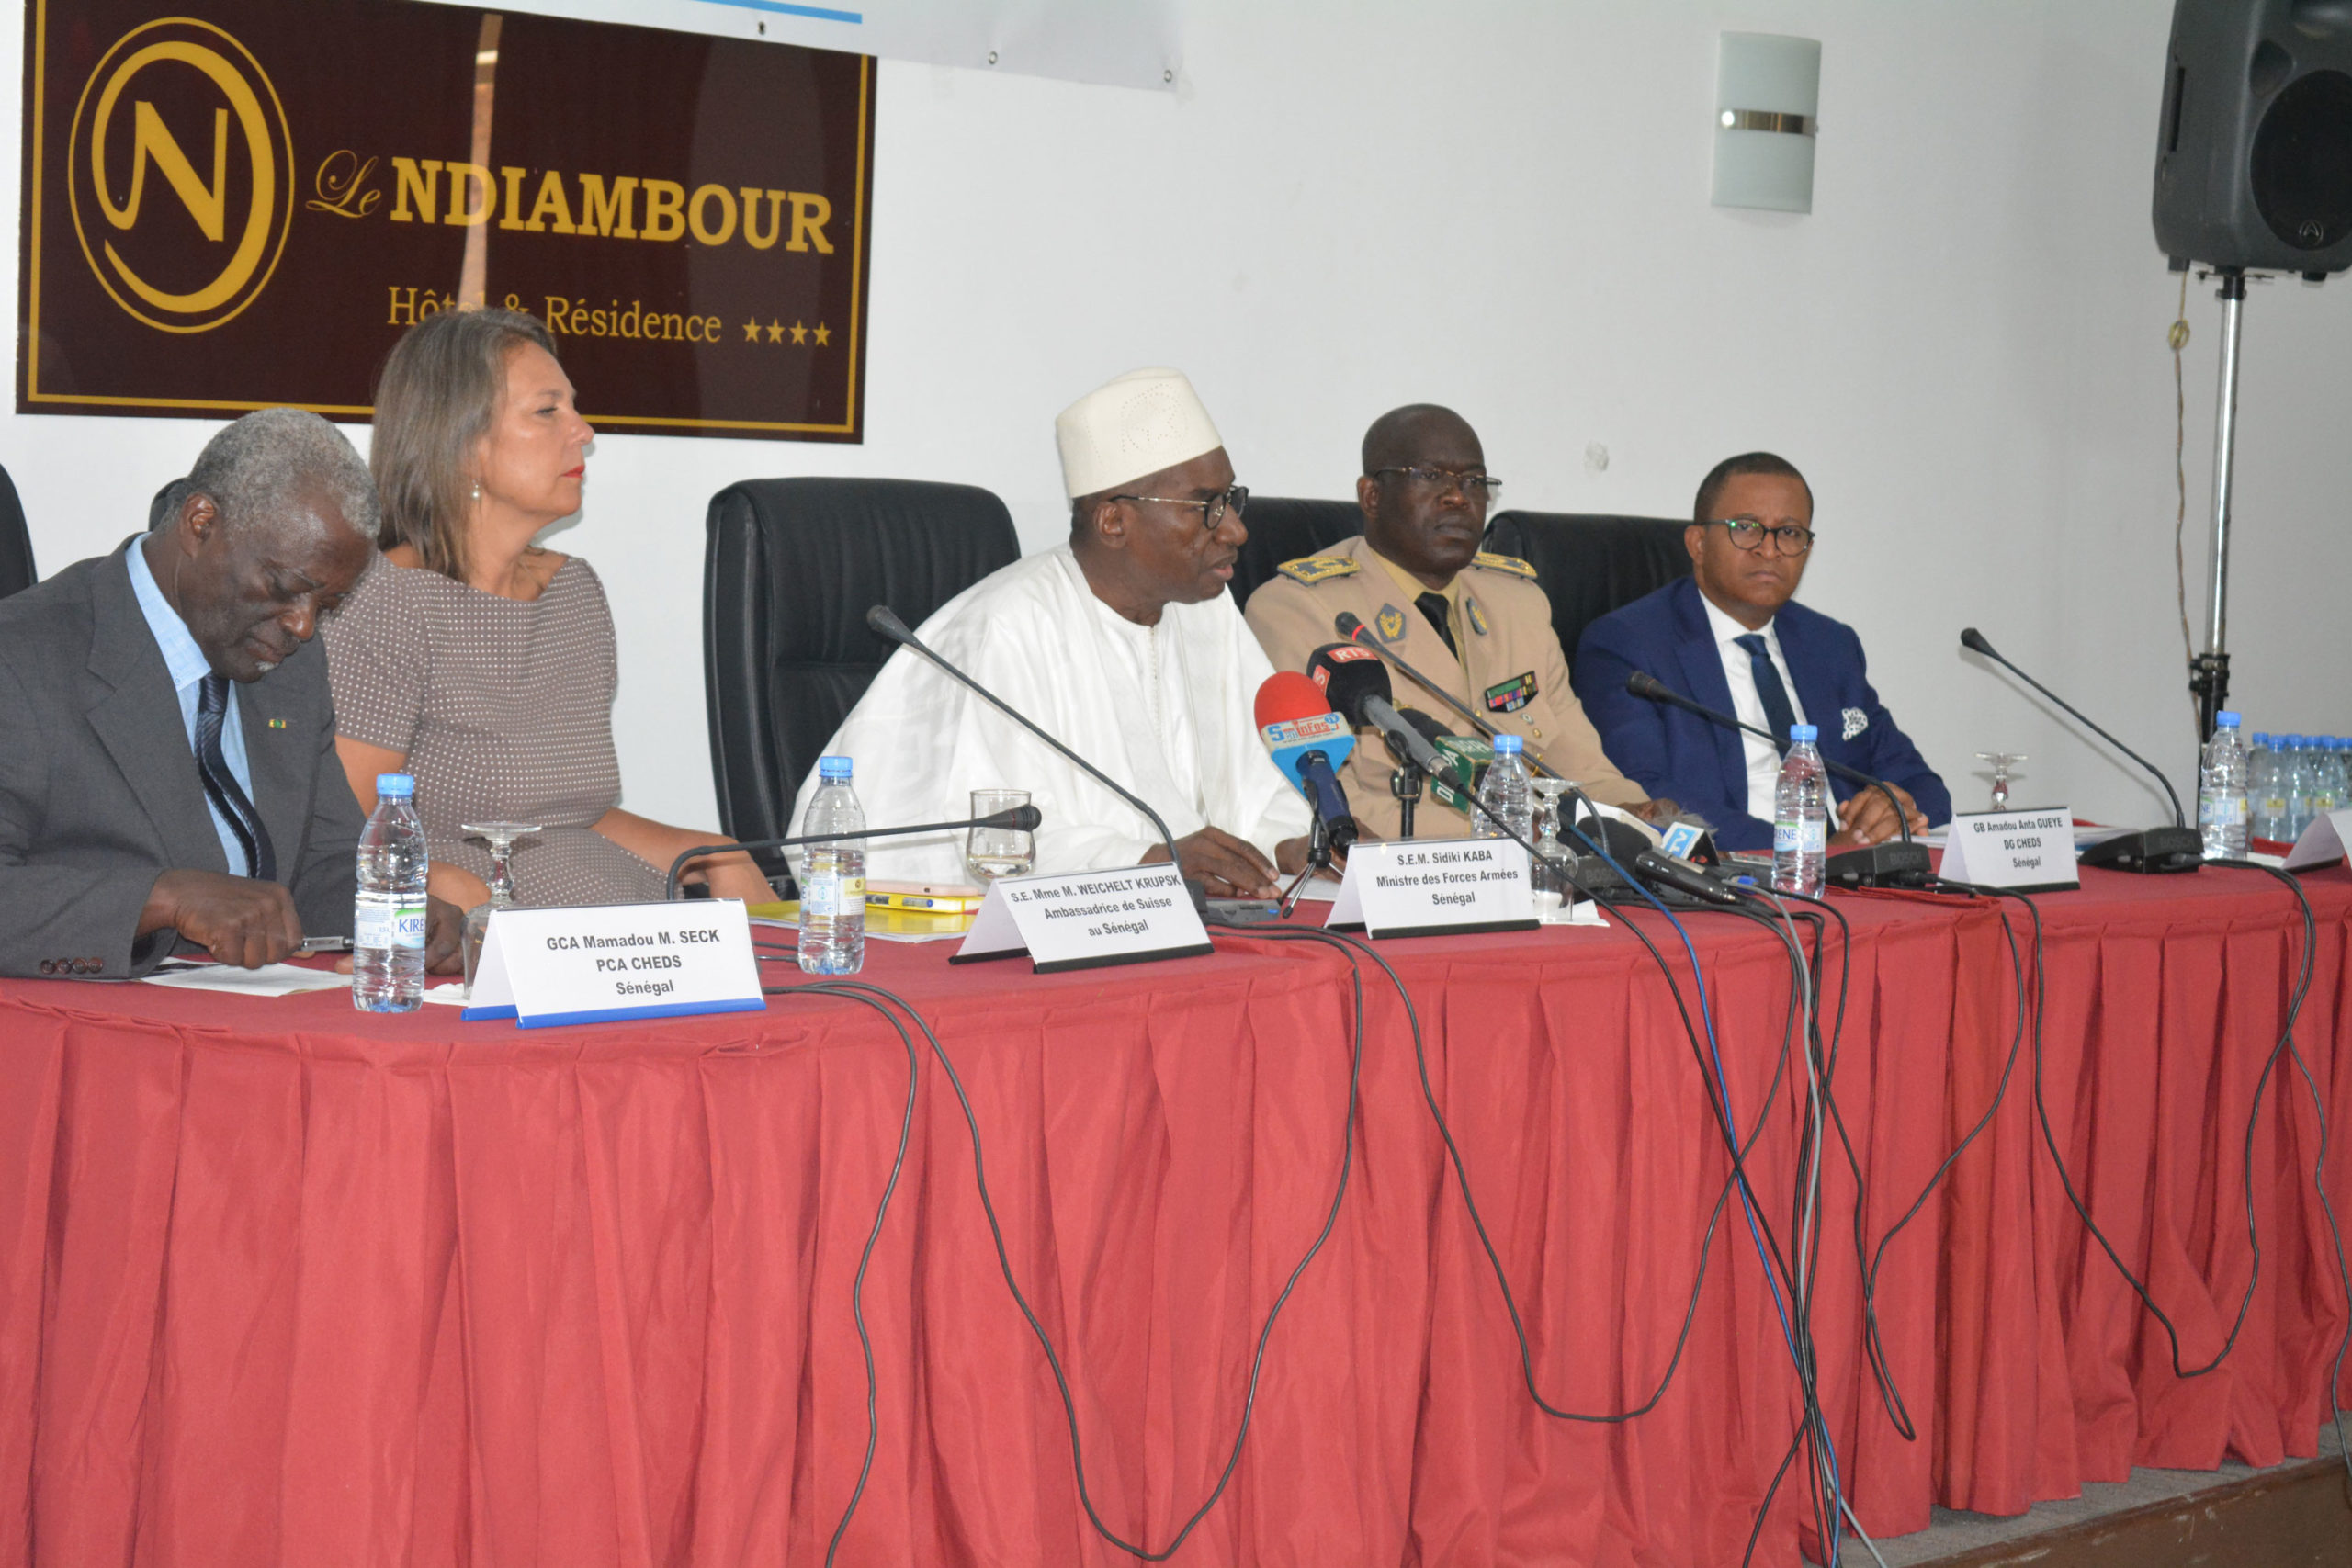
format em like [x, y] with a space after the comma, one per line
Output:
[1494, 1260]
[2319, 1162]
[1045, 1341]
[2254, 1113]
[857, 1283]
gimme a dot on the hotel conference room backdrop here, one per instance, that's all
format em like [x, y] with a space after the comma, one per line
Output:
[1503, 207]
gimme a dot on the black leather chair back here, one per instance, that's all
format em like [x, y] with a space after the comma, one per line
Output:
[16, 544]
[789, 569]
[1590, 565]
[1282, 529]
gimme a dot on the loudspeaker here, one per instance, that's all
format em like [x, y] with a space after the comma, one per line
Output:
[2254, 153]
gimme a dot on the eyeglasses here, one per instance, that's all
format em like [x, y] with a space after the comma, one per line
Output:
[1749, 535]
[1212, 508]
[1437, 481]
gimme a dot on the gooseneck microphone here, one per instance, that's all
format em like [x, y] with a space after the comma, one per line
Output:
[1015, 818]
[1890, 864]
[1349, 627]
[886, 622]
[2149, 851]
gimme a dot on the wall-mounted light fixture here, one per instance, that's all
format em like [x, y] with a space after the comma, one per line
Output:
[1767, 95]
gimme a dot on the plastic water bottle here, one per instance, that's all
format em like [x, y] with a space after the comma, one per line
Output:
[832, 876]
[1505, 792]
[2327, 776]
[1800, 816]
[2267, 788]
[388, 920]
[2295, 784]
[2220, 792]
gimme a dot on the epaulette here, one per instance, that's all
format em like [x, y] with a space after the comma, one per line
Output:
[1511, 564]
[1312, 570]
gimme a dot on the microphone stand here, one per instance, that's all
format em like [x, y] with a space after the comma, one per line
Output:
[2149, 850]
[1018, 819]
[1900, 863]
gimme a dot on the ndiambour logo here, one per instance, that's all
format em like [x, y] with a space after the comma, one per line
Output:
[180, 172]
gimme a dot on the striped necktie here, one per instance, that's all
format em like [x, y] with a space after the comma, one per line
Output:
[220, 787]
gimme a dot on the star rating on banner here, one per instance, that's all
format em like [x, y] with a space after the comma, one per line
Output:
[798, 335]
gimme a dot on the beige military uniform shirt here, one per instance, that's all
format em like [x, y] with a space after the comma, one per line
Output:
[1510, 670]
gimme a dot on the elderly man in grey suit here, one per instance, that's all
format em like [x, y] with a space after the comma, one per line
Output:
[167, 766]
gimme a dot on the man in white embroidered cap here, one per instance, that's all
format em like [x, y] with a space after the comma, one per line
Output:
[1124, 644]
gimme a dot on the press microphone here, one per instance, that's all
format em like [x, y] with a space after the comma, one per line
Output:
[1309, 743]
[1349, 627]
[1013, 819]
[2152, 850]
[1892, 865]
[1355, 683]
[886, 622]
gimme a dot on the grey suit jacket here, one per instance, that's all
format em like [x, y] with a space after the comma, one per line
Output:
[98, 788]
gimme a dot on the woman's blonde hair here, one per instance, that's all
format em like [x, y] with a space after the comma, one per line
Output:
[434, 402]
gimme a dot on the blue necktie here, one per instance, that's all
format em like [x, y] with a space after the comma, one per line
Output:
[221, 785]
[1777, 715]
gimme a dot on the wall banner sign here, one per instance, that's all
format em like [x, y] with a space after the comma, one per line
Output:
[230, 204]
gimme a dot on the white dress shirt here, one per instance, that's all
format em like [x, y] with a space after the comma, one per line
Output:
[1762, 757]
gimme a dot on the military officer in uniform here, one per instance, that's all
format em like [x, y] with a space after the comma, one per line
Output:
[1473, 622]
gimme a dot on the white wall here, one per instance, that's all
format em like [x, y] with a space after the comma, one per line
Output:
[1504, 208]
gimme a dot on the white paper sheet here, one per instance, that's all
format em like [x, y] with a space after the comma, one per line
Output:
[269, 980]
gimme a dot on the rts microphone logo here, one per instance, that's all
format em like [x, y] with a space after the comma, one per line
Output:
[181, 168]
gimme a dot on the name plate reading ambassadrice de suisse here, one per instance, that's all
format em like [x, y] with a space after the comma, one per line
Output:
[2030, 851]
[1086, 919]
[1435, 886]
[601, 962]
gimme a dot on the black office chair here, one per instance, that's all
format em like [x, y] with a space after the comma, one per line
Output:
[16, 544]
[1590, 565]
[1282, 529]
[790, 568]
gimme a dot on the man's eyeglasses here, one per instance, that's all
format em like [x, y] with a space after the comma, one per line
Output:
[1212, 508]
[1749, 535]
[1437, 481]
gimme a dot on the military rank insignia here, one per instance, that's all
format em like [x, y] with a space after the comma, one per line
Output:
[1476, 616]
[1512, 694]
[1390, 623]
[1511, 564]
[1312, 570]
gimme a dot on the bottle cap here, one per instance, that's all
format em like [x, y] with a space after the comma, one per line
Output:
[394, 786]
[832, 767]
[1805, 732]
[2226, 720]
[1509, 745]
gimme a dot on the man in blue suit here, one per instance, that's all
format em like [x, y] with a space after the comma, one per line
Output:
[1727, 636]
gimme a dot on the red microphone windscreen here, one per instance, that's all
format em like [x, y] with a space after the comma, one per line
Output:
[1286, 695]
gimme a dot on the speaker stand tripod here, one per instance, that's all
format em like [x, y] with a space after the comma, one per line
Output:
[2208, 673]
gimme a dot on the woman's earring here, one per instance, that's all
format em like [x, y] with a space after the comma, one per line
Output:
[476, 489]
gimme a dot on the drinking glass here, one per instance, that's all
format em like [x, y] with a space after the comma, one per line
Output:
[992, 853]
[2002, 762]
[500, 837]
[1553, 893]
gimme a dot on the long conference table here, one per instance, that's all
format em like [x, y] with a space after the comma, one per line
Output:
[284, 1283]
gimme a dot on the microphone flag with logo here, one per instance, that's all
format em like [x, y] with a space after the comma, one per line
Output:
[1310, 743]
[1349, 673]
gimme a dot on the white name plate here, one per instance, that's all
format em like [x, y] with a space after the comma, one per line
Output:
[2323, 843]
[600, 962]
[2033, 851]
[1431, 887]
[1086, 919]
